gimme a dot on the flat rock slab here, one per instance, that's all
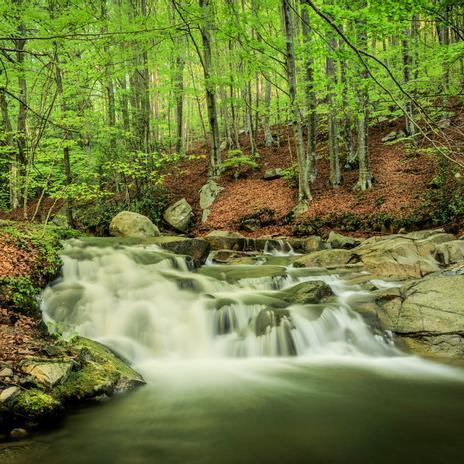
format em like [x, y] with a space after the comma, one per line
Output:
[48, 374]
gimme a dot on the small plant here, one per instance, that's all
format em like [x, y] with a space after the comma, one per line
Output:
[239, 163]
[291, 175]
[379, 201]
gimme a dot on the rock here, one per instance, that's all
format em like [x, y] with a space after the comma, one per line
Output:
[272, 174]
[18, 433]
[393, 135]
[208, 194]
[299, 209]
[450, 252]
[269, 318]
[197, 248]
[326, 258]
[226, 240]
[428, 314]
[233, 274]
[179, 215]
[132, 225]
[312, 292]
[230, 256]
[47, 373]
[402, 256]
[100, 372]
[336, 240]
[9, 394]
[6, 372]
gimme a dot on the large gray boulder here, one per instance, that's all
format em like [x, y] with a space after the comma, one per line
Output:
[427, 314]
[48, 373]
[179, 215]
[336, 240]
[402, 256]
[326, 258]
[208, 194]
[132, 225]
[275, 173]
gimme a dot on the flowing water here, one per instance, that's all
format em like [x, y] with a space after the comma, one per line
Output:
[236, 374]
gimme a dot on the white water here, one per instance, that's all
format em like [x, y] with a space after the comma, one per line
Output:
[149, 305]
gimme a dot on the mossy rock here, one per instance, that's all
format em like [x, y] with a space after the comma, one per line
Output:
[101, 372]
[35, 406]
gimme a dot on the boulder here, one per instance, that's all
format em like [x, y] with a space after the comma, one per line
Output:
[208, 194]
[132, 225]
[232, 257]
[394, 135]
[427, 314]
[269, 318]
[47, 373]
[226, 240]
[336, 240]
[326, 258]
[197, 248]
[450, 252]
[402, 256]
[312, 292]
[275, 173]
[179, 215]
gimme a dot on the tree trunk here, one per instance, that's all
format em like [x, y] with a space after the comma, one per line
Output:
[311, 99]
[365, 175]
[215, 157]
[335, 176]
[304, 193]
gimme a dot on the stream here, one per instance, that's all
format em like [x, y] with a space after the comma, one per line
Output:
[236, 373]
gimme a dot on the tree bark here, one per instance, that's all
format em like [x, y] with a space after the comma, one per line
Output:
[304, 193]
[215, 156]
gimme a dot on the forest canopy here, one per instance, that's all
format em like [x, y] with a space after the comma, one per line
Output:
[99, 98]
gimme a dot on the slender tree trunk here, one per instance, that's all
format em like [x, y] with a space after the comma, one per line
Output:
[268, 139]
[335, 176]
[311, 99]
[444, 35]
[215, 159]
[365, 175]
[304, 193]
[7, 129]
[407, 63]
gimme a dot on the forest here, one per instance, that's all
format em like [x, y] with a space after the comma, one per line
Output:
[113, 104]
[231, 231]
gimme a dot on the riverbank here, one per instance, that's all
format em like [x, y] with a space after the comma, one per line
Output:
[41, 375]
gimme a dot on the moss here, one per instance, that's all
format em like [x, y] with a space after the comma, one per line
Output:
[101, 372]
[35, 404]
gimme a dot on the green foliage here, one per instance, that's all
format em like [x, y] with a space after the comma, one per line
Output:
[445, 198]
[239, 163]
[19, 292]
[291, 175]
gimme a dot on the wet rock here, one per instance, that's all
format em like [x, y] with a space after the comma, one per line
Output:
[272, 174]
[450, 252]
[326, 258]
[232, 257]
[132, 225]
[50, 373]
[179, 215]
[312, 292]
[18, 434]
[428, 314]
[226, 240]
[197, 248]
[6, 372]
[336, 240]
[208, 194]
[9, 394]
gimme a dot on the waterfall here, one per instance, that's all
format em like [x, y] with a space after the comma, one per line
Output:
[149, 304]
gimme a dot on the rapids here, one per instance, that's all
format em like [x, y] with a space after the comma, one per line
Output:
[237, 374]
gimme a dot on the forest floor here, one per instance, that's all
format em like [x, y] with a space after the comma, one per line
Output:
[403, 181]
